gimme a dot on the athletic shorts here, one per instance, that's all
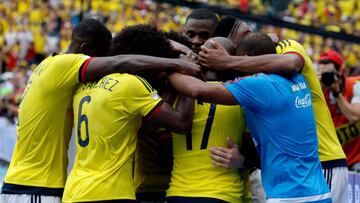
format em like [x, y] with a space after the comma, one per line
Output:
[26, 198]
[337, 180]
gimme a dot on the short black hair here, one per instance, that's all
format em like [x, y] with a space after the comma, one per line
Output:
[203, 14]
[144, 40]
[255, 44]
[225, 26]
[95, 34]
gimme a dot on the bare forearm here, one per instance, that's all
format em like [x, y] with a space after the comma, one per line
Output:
[100, 67]
[185, 111]
[271, 63]
[350, 111]
[202, 91]
[186, 85]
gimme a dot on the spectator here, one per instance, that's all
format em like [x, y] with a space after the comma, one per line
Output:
[343, 98]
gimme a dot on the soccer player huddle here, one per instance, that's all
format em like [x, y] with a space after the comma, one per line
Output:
[208, 89]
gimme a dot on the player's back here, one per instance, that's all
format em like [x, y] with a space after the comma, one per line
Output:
[45, 123]
[329, 146]
[107, 116]
[193, 174]
[279, 115]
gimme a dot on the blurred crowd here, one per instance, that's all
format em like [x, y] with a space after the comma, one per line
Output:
[32, 29]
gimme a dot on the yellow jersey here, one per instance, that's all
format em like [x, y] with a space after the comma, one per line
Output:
[45, 123]
[193, 174]
[329, 145]
[107, 116]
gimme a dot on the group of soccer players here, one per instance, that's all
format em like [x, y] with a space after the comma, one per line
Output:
[142, 81]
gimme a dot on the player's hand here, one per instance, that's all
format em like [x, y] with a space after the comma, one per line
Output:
[180, 47]
[191, 57]
[187, 68]
[215, 59]
[227, 157]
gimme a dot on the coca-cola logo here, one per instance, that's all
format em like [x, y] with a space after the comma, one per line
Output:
[303, 102]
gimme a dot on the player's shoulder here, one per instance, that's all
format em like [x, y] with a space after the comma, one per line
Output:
[70, 57]
[289, 45]
[137, 83]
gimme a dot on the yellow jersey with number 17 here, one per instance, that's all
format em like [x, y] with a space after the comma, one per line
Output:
[329, 145]
[107, 116]
[193, 174]
[45, 123]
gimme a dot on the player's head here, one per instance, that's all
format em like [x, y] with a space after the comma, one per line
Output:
[90, 37]
[255, 44]
[199, 27]
[225, 42]
[232, 28]
[231, 49]
[144, 40]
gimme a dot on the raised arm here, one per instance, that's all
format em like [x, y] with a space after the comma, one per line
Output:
[179, 119]
[197, 89]
[98, 67]
[219, 59]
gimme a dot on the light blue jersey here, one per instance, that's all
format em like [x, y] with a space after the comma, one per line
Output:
[279, 115]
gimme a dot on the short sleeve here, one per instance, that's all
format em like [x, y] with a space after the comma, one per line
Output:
[141, 98]
[356, 93]
[291, 47]
[251, 92]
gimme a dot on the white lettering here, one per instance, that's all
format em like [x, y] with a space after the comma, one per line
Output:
[298, 86]
[303, 102]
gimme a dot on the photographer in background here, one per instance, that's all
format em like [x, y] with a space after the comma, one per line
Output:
[343, 98]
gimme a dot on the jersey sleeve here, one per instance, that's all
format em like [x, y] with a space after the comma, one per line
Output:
[141, 98]
[250, 92]
[69, 69]
[291, 47]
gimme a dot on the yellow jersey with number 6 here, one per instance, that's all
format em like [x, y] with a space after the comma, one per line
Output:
[329, 145]
[107, 116]
[45, 123]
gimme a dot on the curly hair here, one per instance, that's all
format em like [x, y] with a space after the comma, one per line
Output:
[144, 40]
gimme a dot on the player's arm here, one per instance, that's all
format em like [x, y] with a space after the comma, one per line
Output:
[177, 120]
[202, 91]
[227, 157]
[98, 67]
[219, 59]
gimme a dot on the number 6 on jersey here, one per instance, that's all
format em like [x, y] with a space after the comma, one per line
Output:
[83, 118]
